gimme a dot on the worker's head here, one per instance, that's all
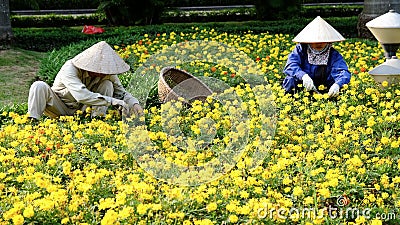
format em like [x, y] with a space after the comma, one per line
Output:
[318, 33]
[318, 46]
[94, 74]
[100, 59]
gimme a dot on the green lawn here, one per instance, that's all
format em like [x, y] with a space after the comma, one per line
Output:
[18, 70]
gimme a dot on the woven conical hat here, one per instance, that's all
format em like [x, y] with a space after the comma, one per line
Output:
[100, 58]
[318, 30]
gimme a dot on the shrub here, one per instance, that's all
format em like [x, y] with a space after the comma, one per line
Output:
[183, 3]
[331, 11]
[276, 9]
[132, 12]
[47, 39]
[53, 4]
[237, 14]
[53, 20]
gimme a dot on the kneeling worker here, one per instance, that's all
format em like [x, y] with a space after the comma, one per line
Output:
[88, 79]
[315, 62]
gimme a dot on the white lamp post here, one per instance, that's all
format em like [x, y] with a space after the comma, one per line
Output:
[386, 29]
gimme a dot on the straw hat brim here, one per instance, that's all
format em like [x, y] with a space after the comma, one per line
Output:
[318, 31]
[100, 58]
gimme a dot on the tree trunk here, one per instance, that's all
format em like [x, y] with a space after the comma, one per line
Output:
[373, 9]
[6, 35]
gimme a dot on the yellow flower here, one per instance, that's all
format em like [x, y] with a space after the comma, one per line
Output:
[109, 154]
[110, 218]
[125, 212]
[308, 200]
[141, 209]
[286, 181]
[395, 144]
[29, 212]
[65, 220]
[18, 219]
[297, 191]
[233, 219]
[244, 194]
[211, 206]
[385, 140]
[371, 122]
[360, 220]
[156, 207]
[324, 192]
[187, 222]
[376, 222]
[203, 222]
[106, 203]
[66, 168]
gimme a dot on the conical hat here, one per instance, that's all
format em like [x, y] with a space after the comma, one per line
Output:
[100, 58]
[318, 30]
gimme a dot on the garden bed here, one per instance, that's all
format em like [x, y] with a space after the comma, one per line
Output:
[325, 154]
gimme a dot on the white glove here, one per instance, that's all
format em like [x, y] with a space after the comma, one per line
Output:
[334, 90]
[137, 110]
[308, 83]
[121, 105]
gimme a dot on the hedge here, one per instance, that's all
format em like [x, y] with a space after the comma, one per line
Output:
[92, 4]
[179, 16]
[47, 39]
[56, 20]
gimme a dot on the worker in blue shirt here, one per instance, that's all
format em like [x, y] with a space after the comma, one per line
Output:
[315, 62]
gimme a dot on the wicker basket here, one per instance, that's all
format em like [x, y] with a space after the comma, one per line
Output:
[174, 83]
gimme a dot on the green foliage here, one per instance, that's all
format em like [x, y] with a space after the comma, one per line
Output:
[324, 1]
[24, 4]
[237, 14]
[132, 12]
[52, 4]
[53, 20]
[47, 39]
[277, 9]
[331, 11]
[20, 109]
[185, 3]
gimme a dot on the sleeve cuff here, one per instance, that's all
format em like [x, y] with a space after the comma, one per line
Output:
[133, 101]
[107, 99]
[300, 75]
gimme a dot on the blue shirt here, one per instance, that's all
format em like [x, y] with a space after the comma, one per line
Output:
[297, 65]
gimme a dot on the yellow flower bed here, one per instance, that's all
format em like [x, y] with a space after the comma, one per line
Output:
[330, 161]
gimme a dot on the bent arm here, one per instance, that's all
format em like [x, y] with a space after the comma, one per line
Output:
[121, 93]
[69, 77]
[293, 64]
[340, 71]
